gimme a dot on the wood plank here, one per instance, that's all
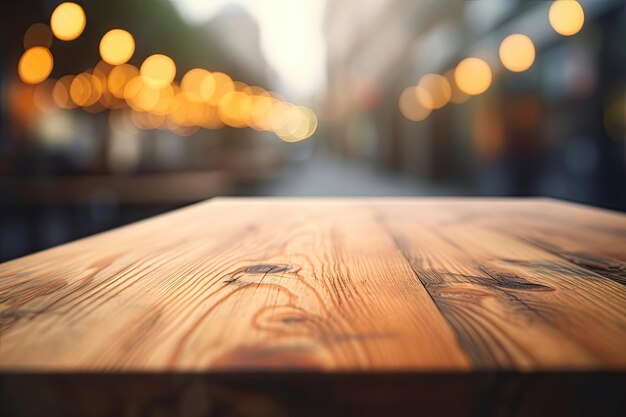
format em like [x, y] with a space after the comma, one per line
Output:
[222, 286]
[596, 243]
[512, 304]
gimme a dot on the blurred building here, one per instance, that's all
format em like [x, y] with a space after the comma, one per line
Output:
[546, 131]
[71, 173]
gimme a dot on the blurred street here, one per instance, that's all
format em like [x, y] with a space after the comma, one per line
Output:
[115, 111]
[325, 174]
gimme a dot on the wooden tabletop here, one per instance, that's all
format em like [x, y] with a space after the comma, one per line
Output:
[310, 285]
[328, 285]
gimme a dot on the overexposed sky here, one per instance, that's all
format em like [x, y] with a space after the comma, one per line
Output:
[292, 40]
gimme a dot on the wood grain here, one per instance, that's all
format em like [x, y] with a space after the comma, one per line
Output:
[363, 285]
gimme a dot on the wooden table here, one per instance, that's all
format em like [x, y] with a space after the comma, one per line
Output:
[263, 307]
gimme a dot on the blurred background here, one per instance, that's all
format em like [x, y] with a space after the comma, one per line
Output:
[113, 111]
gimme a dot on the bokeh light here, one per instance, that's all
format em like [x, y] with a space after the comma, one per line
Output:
[35, 65]
[38, 34]
[223, 85]
[158, 70]
[165, 102]
[68, 21]
[42, 96]
[234, 108]
[457, 96]
[118, 78]
[517, 52]
[85, 89]
[410, 106]
[259, 114]
[117, 47]
[141, 95]
[566, 17]
[199, 81]
[434, 91]
[61, 92]
[424, 97]
[473, 76]
[151, 97]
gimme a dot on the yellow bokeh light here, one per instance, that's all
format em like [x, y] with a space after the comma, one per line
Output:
[423, 97]
[61, 92]
[85, 89]
[211, 119]
[118, 78]
[223, 85]
[42, 96]
[255, 91]
[38, 34]
[164, 104]
[433, 91]
[199, 81]
[566, 17]
[241, 86]
[158, 70]
[35, 65]
[117, 47]
[473, 76]
[80, 90]
[259, 114]
[411, 107]
[68, 21]
[457, 96]
[187, 110]
[235, 108]
[145, 120]
[141, 96]
[517, 52]
[277, 116]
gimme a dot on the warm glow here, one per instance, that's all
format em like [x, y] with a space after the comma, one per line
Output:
[433, 91]
[164, 104]
[38, 34]
[457, 96]
[223, 85]
[61, 92]
[117, 46]
[473, 76]
[119, 77]
[410, 106]
[68, 21]
[102, 70]
[107, 100]
[80, 89]
[145, 120]
[35, 65]
[255, 91]
[235, 108]
[187, 109]
[158, 70]
[85, 89]
[566, 17]
[277, 116]
[199, 81]
[517, 52]
[260, 113]
[301, 123]
[141, 96]
[42, 96]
